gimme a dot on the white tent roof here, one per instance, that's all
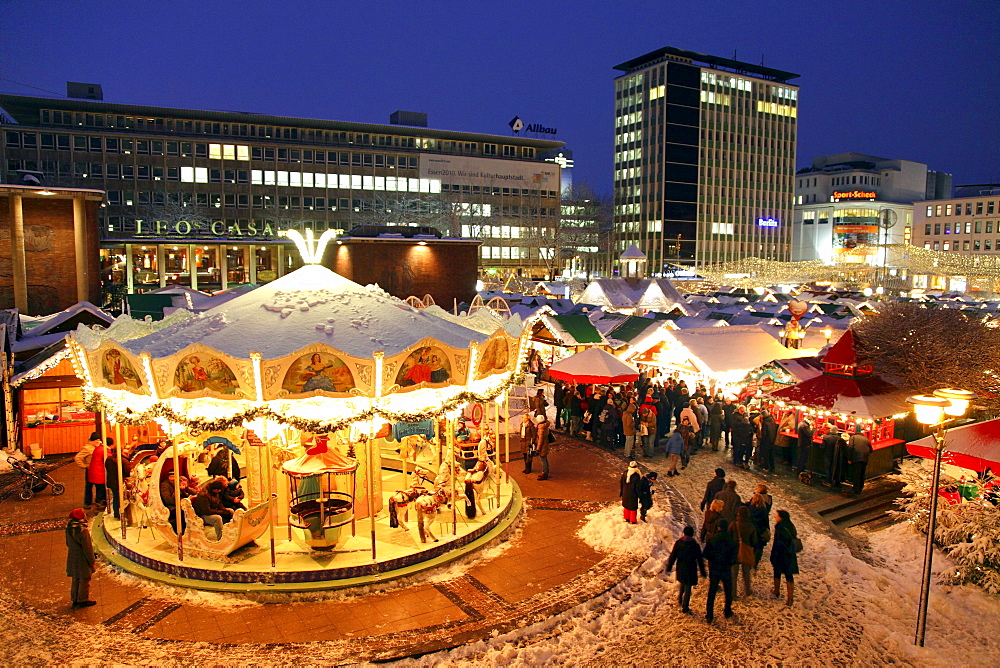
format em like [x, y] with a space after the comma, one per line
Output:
[310, 305]
[735, 348]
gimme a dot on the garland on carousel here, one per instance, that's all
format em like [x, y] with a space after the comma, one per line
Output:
[96, 403]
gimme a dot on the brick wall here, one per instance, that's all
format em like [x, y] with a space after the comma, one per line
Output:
[447, 270]
[50, 256]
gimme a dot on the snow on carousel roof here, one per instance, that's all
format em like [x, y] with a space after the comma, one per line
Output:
[310, 305]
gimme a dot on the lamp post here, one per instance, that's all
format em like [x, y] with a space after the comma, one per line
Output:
[827, 332]
[936, 411]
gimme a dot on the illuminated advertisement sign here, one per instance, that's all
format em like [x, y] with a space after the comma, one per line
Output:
[848, 238]
[489, 172]
[767, 222]
[854, 194]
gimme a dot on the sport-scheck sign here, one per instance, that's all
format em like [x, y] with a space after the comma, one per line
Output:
[855, 194]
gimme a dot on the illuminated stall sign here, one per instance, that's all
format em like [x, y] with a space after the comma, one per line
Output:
[854, 194]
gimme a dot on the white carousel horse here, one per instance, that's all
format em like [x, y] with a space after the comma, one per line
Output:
[428, 506]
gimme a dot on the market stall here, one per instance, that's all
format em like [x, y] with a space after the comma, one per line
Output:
[851, 396]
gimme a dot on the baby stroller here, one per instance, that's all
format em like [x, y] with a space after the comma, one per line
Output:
[32, 481]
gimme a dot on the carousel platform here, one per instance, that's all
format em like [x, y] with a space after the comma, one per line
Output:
[399, 553]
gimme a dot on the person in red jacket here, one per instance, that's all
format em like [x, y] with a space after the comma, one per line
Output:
[91, 458]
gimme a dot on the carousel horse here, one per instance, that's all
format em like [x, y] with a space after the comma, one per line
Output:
[476, 479]
[428, 505]
[399, 503]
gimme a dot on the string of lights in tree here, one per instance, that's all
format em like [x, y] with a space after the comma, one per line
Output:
[94, 401]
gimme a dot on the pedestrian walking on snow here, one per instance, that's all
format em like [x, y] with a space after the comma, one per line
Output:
[674, 449]
[730, 500]
[646, 493]
[80, 558]
[720, 552]
[629, 492]
[715, 485]
[784, 555]
[687, 555]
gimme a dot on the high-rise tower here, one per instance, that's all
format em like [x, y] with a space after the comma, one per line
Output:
[704, 159]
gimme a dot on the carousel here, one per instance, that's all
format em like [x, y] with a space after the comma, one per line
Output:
[316, 434]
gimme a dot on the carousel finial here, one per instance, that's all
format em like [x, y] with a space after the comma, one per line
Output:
[310, 250]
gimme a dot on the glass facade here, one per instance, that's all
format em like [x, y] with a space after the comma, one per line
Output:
[702, 156]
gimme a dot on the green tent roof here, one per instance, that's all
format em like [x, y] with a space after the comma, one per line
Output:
[632, 327]
[579, 327]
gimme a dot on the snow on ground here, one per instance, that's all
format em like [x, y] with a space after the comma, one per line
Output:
[847, 610]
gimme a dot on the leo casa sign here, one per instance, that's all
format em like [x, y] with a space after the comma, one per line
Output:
[216, 229]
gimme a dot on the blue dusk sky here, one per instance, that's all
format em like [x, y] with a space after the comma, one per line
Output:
[916, 80]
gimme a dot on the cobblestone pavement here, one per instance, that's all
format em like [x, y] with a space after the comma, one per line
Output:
[543, 572]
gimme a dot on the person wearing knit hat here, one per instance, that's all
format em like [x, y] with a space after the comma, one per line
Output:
[629, 491]
[80, 558]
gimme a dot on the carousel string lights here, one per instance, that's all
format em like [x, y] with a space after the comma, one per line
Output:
[95, 401]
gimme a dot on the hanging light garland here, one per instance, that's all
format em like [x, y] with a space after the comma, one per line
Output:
[756, 272]
[40, 370]
[94, 401]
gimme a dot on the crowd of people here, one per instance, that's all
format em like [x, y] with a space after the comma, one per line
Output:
[734, 534]
[645, 418]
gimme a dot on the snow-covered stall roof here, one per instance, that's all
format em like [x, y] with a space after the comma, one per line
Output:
[615, 293]
[973, 446]
[727, 350]
[310, 305]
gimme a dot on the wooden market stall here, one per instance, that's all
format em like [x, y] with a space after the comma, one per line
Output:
[851, 396]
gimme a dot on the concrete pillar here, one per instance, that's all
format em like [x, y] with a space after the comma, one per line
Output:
[17, 254]
[80, 248]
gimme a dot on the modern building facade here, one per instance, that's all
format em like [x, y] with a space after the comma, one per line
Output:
[968, 228]
[704, 159]
[196, 198]
[847, 204]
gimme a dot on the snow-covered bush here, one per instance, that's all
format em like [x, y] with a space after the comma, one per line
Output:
[968, 531]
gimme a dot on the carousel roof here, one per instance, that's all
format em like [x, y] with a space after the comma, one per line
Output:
[310, 305]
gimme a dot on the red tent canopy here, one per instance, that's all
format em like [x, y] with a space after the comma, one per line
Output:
[859, 396]
[593, 365]
[974, 446]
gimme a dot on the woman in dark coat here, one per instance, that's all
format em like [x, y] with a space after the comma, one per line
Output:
[630, 492]
[783, 557]
[80, 558]
[712, 515]
[687, 555]
[766, 441]
[716, 420]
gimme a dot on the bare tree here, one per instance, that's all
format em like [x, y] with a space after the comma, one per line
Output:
[925, 349]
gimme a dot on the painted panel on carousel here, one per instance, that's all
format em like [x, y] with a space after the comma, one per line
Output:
[428, 364]
[114, 368]
[317, 371]
[199, 371]
[494, 357]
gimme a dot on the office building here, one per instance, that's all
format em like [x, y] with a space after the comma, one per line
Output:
[847, 204]
[968, 229]
[704, 159]
[196, 198]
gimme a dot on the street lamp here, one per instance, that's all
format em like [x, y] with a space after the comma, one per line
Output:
[827, 332]
[936, 411]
